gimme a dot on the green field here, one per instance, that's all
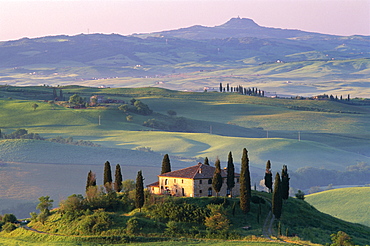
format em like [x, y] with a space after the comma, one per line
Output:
[284, 131]
[350, 204]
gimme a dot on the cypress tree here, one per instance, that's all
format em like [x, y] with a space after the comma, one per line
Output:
[217, 178]
[166, 165]
[277, 201]
[245, 183]
[268, 176]
[54, 94]
[220, 87]
[91, 180]
[139, 195]
[206, 161]
[118, 179]
[107, 176]
[61, 95]
[285, 183]
[230, 181]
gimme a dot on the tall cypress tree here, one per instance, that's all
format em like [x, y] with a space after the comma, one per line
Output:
[61, 97]
[107, 176]
[217, 178]
[91, 180]
[206, 161]
[245, 183]
[118, 179]
[277, 201]
[220, 87]
[285, 183]
[230, 174]
[166, 165]
[268, 176]
[139, 195]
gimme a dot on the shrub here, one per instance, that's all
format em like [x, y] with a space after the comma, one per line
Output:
[9, 218]
[133, 226]
[8, 227]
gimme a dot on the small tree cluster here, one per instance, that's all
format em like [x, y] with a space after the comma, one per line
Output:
[242, 90]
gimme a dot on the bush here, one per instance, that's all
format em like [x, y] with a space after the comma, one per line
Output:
[9, 218]
[133, 226]
[8, 227]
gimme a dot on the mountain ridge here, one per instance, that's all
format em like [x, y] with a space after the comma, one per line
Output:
[235, 27]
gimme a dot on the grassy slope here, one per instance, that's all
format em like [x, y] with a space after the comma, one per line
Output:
[350, 204]
[298, 217]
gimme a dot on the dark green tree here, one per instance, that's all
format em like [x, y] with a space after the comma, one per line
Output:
[61, 97]
[9, 218]
[166, 165]
[220, 87]
[341, 239]
[300, 195]
[118, 179]
[91, 180]
[277, 200]
[245, 183]
[35, 106]
[142, 108]
[45, 205]
[285, 183]
[217, 178]
[268, 176]
[107, 177]
[139, 195]
[55, 96]
[206, 161]
[76, 100]
[230, 181]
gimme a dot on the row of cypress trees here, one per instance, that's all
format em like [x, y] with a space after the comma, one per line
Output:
[107, 178]
[117, 185]
[245, 180]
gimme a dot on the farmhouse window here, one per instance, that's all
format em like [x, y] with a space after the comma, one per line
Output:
[209, 181]
[209, 191]
[200, 181]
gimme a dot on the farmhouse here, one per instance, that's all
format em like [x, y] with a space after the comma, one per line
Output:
[194, 181]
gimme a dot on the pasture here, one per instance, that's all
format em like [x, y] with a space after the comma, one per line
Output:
[349, 204]
[297, 133]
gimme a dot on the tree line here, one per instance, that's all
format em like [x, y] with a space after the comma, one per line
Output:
[254, 91]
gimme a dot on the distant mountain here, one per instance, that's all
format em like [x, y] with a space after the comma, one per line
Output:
[239, 43]
[236, 28]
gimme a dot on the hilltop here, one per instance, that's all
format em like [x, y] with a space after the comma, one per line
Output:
[236, 28]
[182, 219]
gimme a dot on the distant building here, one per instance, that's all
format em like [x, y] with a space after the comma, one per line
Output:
[194, 181]
[321, 97]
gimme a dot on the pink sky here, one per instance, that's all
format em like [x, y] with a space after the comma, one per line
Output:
[32, 18]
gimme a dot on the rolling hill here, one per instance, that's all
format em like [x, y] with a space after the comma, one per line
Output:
[283, 62]
[285, 131]
[350, 204]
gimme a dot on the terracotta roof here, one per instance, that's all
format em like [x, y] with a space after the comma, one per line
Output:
[199, 171]
[155, 184]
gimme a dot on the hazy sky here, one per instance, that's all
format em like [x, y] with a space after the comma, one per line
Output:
[33, 18]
